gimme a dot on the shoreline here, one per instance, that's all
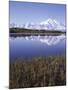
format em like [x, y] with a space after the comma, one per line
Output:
[35, 34]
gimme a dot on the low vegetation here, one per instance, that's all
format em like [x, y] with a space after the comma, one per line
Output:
[24, 30]
[38, 72]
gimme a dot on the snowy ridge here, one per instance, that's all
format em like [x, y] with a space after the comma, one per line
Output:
[49, 24]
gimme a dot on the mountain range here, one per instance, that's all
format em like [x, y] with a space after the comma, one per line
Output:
[49, 24]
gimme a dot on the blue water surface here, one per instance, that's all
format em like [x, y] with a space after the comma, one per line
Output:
[36, 46]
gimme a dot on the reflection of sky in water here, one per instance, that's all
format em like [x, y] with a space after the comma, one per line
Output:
[33, 46]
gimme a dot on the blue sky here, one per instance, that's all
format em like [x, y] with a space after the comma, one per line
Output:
[27, 12]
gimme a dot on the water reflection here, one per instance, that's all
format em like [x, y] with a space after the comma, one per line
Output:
[49, 40]
[35, 46]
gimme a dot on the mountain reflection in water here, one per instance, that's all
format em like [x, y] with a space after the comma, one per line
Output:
[35, 46]
[49, 40]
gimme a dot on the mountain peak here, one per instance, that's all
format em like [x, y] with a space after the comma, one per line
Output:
[52, 24]
[49, 24]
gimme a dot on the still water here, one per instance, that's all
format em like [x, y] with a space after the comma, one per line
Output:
[35, 46]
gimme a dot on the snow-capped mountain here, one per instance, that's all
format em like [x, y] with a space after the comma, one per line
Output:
[52, 24]
[49, 24]
[32, 26]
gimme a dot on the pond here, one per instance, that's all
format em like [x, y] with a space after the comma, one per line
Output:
[36, 46]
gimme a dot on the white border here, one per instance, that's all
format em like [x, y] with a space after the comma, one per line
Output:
[4, 44]
[46, 1]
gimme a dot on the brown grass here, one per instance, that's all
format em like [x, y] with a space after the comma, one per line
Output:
[38, 72]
